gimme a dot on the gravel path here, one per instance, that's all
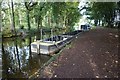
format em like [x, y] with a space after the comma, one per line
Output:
[93, 54]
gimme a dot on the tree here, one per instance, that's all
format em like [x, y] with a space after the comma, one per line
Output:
[29, 6]
[0, 18]
[48, 14]
[66, 13]
[13, 17]
[102, 11]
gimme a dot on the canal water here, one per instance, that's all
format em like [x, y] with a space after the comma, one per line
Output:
[17, 59]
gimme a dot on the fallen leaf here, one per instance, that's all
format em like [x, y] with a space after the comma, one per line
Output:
[105, 76]
[116, 61]
[107, 52]
[105, 64]
[55, 65]
[83, 51]
[97, 76]
[55, 76]
[116, 36]
[110, 34]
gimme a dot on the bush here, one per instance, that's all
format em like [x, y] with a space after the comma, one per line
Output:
[7, 32]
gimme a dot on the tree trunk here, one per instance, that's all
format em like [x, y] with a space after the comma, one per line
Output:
[64, 24]
[99, 22]
[110, 24]
[13, 17]
[20, 17]
[38, 29]
[96, 22]
[0, 21]
[102, 23]
[49, 19]
[30, 46]
[28, 19]
[38, 23]
[10, 17]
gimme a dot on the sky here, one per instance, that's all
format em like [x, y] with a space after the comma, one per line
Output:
[83, 19]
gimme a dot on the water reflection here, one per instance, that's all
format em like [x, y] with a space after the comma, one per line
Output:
[17, 59]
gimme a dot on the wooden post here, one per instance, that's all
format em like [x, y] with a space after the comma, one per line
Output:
[41, 33]
[52, 34]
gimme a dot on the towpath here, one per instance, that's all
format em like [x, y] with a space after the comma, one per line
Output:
[93, 54]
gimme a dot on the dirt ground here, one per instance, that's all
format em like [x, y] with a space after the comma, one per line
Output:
[93, 54]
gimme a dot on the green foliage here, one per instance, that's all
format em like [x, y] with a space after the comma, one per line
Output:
[102, 11]
[7, 32]
[67, 11]
[39, 14]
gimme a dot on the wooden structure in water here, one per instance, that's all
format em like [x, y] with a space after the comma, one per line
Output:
[52, 44]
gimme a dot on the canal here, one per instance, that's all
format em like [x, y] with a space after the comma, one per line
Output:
[17, 59]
